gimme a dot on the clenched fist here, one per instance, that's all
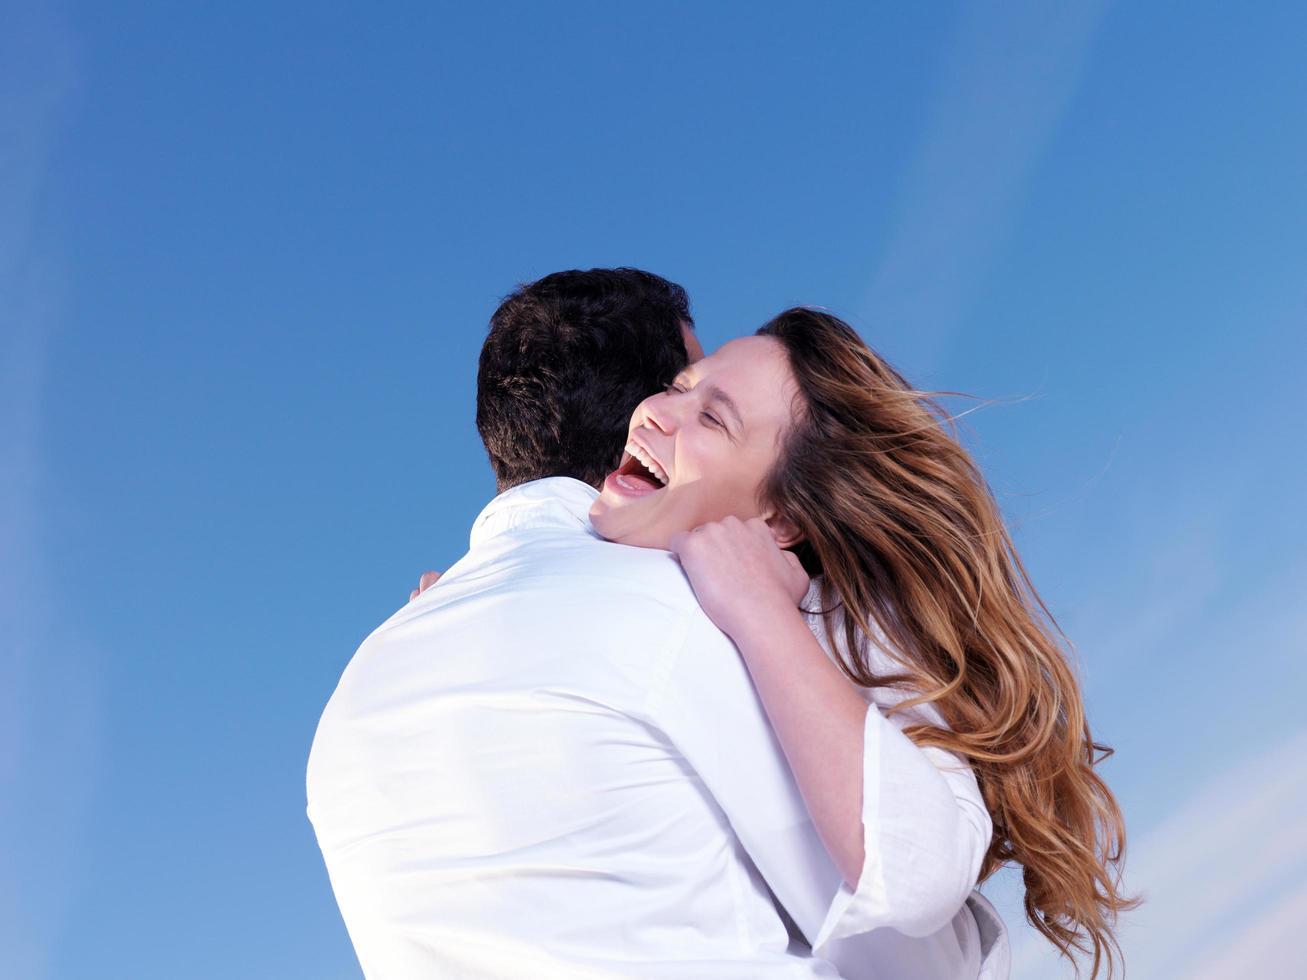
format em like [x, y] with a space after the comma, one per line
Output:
[741, 577]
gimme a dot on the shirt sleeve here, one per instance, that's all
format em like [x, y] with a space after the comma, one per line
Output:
[925, 830]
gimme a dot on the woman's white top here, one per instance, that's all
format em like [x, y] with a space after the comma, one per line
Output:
[551, 764]
[926, 830]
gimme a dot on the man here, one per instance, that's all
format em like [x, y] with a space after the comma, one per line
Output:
[553, 765]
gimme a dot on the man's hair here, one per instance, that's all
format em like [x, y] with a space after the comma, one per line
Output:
[567, 360]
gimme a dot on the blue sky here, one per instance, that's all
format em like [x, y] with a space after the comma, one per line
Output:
[247, 254]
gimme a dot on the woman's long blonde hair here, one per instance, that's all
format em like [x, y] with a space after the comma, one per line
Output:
[900, 524]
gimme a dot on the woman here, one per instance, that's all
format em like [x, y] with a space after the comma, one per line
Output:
[799, 452]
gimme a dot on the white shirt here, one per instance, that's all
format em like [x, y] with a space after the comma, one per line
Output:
[924, 844]
[551, 764]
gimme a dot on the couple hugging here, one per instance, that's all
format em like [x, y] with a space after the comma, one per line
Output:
[740, 678]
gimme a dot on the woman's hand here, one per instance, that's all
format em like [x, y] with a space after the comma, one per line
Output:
[741, 577]
[427, 580]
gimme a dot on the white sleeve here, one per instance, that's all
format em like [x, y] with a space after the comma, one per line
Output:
[925, 825]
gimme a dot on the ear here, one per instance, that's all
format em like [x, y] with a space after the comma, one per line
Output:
[783, 530]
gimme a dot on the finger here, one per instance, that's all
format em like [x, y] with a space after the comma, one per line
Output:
[412, 595]
[427, 580]
[778, 529]
[694, 539]
[800, 582]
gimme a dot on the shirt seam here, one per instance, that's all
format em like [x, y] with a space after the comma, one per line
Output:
[742, 932]
[672, 653]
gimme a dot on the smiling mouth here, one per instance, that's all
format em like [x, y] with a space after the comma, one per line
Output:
[639, 473]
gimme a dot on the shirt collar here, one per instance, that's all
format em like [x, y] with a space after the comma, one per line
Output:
[556, 501]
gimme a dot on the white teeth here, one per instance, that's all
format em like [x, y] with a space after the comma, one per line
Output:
[648, 461]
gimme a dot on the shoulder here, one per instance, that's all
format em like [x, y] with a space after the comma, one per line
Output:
[649, 571]
[567, 560]
[634, 592]
[619, 572]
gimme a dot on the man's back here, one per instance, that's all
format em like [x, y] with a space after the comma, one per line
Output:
[509, 783]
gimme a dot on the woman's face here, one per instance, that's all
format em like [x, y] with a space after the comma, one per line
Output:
[699, 451]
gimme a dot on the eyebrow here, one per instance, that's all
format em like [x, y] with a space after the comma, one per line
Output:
[715, 394]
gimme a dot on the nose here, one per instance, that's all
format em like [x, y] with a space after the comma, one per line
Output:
[660, 413]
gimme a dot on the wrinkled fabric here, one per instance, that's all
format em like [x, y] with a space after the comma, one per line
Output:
[551, 764]
[915, 914]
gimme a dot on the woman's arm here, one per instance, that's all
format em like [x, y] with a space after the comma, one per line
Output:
[906, 826]
[818, 716]
[751, 589]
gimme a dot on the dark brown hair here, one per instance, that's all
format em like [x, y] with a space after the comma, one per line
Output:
[567, 359]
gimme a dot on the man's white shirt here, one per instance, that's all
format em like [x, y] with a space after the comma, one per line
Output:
[552, 764]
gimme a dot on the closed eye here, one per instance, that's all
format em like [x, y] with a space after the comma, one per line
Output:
[708, 417]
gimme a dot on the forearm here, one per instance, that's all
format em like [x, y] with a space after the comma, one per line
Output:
[818, 716]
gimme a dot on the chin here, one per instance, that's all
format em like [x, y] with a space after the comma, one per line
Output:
[606, 519]
[612, 527]
[599, 521]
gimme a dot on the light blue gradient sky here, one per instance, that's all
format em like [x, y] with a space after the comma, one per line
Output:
[246, 260]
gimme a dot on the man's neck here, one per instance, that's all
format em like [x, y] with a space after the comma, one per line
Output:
[503, 487]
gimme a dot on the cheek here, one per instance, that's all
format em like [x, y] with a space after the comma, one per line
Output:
[737, 492]
[727, 493]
